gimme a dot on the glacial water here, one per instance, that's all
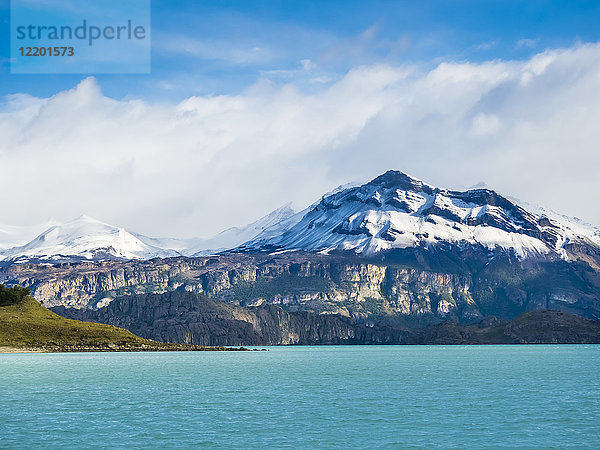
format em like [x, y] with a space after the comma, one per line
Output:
[305, 397]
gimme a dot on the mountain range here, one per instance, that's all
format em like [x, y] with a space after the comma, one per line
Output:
[88, 239]
[393, 211]
[395, 253]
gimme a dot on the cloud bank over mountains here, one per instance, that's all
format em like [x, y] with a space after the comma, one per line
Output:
[527, 128]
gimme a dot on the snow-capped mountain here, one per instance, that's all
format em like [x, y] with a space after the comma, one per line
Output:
[179, 245]
[572, 225]
[84, 238]
[13, 236]
[396, 210]
[271, 225]
[393, 211]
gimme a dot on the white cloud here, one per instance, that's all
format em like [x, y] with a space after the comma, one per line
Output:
[486, 45]
[485, 124]
[529, 43]
[237, 53]
[529, 128]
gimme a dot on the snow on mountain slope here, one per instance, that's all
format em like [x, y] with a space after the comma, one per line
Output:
[179, 245]
[572, 225]
[13, 236]
[84, 238]
[271, 225]
[396, 210]
[392, 211]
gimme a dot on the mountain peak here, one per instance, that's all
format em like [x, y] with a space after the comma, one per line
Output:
[84, 238]
[396, 178]
[396, 210]
[395, 174]
[479, 185]
[284, 210]
[84, 218]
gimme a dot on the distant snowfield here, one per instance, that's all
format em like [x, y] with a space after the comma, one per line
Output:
[85, 238]
[574, 224]
[12, 236]
[393, 211]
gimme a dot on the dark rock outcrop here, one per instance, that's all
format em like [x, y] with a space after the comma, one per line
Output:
[532, 327]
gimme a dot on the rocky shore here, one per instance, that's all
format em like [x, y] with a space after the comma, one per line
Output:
[159, 347]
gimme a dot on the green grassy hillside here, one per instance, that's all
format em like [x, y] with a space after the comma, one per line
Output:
[24, 323]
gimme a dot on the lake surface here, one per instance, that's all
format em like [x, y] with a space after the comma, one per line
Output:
[308, 397]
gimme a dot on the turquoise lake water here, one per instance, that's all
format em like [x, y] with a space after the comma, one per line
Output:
[305, 397]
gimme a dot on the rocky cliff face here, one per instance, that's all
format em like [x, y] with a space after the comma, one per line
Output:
[413, 285]
[89, 284]
[187, 318]
[184, 317]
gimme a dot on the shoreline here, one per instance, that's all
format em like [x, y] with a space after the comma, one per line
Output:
[19, 350]
[174, 348]
[11, 350]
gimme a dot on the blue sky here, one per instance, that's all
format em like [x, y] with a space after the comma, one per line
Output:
[214, 47]
[253, 104]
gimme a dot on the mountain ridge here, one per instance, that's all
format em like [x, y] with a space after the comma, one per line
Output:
[392, 211]
[396, 210]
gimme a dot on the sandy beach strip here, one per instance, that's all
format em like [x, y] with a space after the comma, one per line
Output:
[19, 350]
